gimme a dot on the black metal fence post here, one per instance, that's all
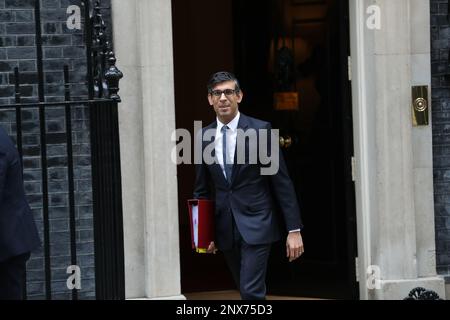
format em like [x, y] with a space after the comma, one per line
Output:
[106, 176]
[107, 194]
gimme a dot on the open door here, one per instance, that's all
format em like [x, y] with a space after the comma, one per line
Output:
[246, 37]
[298, 50]
[198, 51]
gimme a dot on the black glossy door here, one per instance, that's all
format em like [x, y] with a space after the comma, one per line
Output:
[319, 131]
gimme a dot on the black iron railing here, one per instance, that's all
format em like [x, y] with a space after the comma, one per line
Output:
[102, 81]
[420, 293]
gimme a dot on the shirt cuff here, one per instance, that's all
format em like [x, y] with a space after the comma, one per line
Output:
[296, 230]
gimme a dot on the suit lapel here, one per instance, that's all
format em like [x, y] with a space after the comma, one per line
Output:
[243, 125]
[215, 166]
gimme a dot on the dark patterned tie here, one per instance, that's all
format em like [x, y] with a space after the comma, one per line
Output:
[228, 166]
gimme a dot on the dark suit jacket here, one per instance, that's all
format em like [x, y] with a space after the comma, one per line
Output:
[251, 196]
[18, 233]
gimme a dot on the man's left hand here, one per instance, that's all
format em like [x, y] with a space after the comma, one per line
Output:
[294, 245]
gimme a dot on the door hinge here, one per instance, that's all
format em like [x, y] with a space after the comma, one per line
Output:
[357, 269]
[349, 64]
[353, 164]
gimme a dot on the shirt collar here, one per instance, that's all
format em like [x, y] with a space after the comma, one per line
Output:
[231, 125]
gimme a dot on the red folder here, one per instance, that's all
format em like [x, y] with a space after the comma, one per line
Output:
[202, 224]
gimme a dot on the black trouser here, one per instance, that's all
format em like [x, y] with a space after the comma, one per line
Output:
[248, 265]
[12, 277]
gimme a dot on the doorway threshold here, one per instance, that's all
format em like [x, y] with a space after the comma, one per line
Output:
[233, 295]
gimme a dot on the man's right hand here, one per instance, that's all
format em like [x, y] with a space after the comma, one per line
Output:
[211, 248]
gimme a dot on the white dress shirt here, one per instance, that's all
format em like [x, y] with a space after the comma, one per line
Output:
[231, 141]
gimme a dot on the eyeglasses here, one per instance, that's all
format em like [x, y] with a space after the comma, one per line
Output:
[227, 92]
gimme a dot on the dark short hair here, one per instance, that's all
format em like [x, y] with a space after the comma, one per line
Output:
[220, 77]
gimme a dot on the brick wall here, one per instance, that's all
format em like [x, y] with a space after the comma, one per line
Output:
[61, 46]
[440, 68]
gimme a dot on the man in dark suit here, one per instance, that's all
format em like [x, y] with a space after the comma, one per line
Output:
[245, 200]
[18, 233]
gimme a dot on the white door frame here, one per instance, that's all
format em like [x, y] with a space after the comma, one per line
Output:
[361, 142]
